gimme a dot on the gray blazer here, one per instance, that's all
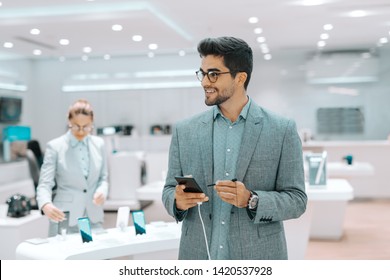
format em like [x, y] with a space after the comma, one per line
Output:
[74, 192]
[270, 163]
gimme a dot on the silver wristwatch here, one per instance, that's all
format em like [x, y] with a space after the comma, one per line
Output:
[253, 201]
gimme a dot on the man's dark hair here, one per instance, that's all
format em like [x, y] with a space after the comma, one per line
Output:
[237, 54]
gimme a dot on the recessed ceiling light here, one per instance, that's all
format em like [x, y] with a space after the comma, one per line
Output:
[358, 13]
[64, 42]
[87, 49]
[264, 48]
[324, 36]
[253, 20]
[383, 40]
[260, 39]
[328, 27]
[153, 46]
[258, 30]
[117, 27]
[321, 44]
[37, 52]
[35, 31]
[267, 56]
[107, 57]
[182, 53]
[137, 38]
[1, 4]
[8, 45]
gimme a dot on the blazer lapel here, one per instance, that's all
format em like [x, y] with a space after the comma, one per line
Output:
[253, 127]
[205, 140]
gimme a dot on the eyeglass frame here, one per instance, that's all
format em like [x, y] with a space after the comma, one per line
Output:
[204, 74]
[76, 128]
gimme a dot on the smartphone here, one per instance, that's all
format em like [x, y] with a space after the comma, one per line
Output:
[139, 221]
[122, 217]
[85, 229]
[63, 225]
[190, 183]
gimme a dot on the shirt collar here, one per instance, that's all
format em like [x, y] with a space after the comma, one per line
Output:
[74, 142]
[243, 114]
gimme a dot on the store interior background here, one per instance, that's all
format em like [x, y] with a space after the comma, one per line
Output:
[280, 84]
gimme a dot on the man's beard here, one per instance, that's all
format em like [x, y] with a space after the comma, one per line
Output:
[219, 100]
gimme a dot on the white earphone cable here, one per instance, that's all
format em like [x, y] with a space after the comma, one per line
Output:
[204, 231]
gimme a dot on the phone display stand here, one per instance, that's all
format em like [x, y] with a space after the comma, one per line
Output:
[317, 169]
[122, 218]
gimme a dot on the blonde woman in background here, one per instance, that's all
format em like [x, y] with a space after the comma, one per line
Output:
[76, 163]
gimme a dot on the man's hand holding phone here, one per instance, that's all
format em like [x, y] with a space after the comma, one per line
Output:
[187, 199]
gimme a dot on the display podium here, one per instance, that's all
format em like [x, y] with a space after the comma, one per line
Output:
[15, 230]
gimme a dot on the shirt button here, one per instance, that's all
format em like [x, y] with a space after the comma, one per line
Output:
[220, 247]
[227, 174]
[223, 222]
[85, 190]
[230, 127]
[228, 150]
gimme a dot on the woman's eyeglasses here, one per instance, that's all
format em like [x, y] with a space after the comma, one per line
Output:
[75, 128]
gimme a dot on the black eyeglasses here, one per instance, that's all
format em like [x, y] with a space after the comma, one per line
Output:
[211, 75]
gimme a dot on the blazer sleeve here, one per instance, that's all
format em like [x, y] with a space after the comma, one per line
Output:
[288, 200]
[47, 176]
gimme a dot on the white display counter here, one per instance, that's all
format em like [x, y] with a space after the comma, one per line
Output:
[375, 153]
[328, 206]
[15, 230]
[161, 241]
[343, 170]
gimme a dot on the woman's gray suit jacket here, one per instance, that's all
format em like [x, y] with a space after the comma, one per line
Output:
[74, 191]
[270, 163]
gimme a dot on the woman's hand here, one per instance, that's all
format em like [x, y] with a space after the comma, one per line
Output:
[98, 198]
[53, 213]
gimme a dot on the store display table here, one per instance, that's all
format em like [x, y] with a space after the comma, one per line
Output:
[161, 241]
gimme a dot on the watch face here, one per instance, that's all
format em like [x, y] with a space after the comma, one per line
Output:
[253, 201]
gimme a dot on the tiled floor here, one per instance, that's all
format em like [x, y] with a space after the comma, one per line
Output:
[366, 231]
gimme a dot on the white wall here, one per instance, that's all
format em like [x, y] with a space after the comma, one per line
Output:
[278, 85]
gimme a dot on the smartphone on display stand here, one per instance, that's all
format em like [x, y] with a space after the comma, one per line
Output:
[190, 183]
[85, 229]
[63, 225]
[139, 221]
[122, 217]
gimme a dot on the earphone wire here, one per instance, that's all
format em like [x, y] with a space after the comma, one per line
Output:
[204, 231]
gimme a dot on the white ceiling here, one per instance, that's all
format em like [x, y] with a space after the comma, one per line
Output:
[176, 25]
